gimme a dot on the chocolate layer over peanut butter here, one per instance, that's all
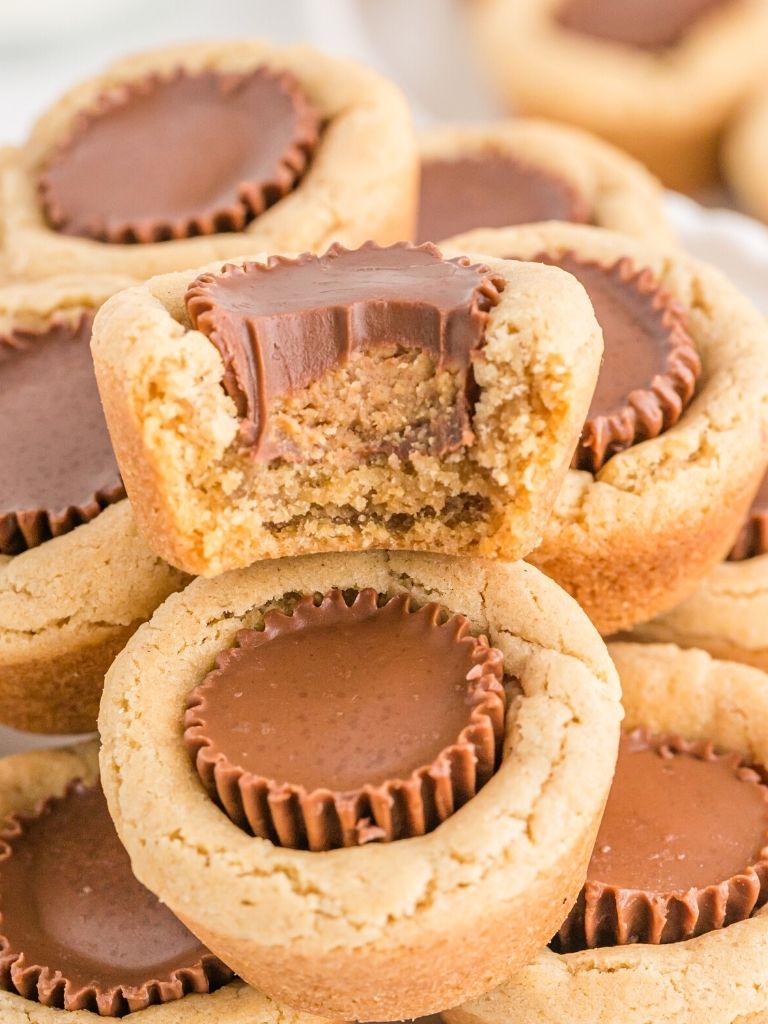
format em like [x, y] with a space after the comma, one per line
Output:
[57, 469]
[753, 538]
[650, 363]
[682, 849]
[356, 719]
[644, 24]
[491, 190]
[172, 157]
[77, 930]
[284, 325]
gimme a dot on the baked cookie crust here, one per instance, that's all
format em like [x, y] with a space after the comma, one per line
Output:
[726, 615]
[380, 931]
[621, 194]
[203, 506]
[69, 605]
[349, 194]
[744, 156]
[636, 538]
[668, 109]
[720, 977]
[25, 781]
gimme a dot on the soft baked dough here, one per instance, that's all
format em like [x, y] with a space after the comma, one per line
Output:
[717, 978]
[69, 605]
[25, 781]
[667, 109]
[361, 184]
[638, 537]
[206, 506]
[381, 931]
[621, 194]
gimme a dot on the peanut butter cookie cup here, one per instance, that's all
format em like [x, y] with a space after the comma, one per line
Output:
[745, 154]
[673, 446]
[369, 398]
[75, 578]
[264, 147]
[659, 79]
[524, 170]
[80, 938]
[727, 613]
[672, 924]
[351, 704]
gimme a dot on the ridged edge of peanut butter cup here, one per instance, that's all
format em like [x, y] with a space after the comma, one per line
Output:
[657, 404]
[253, 197]
[608, 915]
[322, 819]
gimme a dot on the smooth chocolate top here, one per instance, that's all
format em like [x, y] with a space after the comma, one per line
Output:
[645, 24]
[69, 902]
[753, 538]
[282, 325]
[57, 468]
[339, 697]
[676, 820]
[650, 362]
[491, 190]
[173, 157]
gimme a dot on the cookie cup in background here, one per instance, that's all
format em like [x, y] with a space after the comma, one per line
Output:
[27, 781]
[347, 193]
[744, 154]
[69, 601]
[384, 930]
[667, 105]
[558, 173]
[636, 537]
[721, 976]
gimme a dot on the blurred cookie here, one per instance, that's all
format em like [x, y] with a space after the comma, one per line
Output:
[467, 898]
[523, 170]
[369, 398]
[659, 79]
[204, 151]
[668, 460]
[745, 155]
[75, 578]
[702, 812]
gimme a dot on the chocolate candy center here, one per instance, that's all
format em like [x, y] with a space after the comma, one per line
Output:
[753, 538]
[490, 190]
[348, 721]
[675, 820]
[57, 468]
[645, 24]
[650, 363]
[192, 154]
[281, 326]
[70, 903]
[344, 700]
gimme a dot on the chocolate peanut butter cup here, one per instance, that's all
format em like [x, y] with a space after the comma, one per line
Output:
[192, 153]
[643, 24]
[77, 930]
[753, 537]
[650, 362]
[491, 190]
[357, 719]
[282, 325]
[57, 469]
[682, 849]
